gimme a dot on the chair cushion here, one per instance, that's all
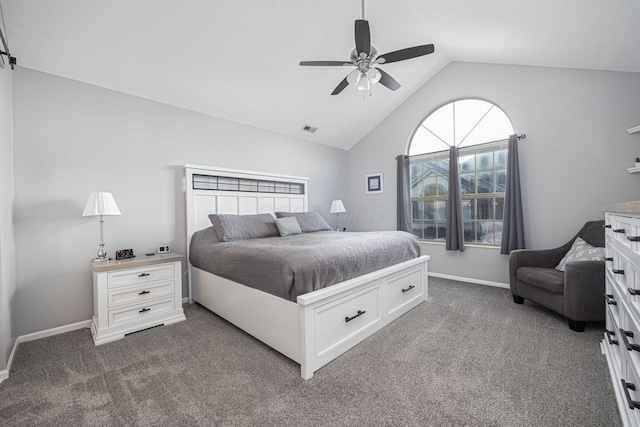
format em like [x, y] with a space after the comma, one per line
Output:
[548, 279]
[581, 251]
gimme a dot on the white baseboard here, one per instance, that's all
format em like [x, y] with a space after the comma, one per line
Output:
[185, 300]
[4, 374]
[469, 280]
[55, 331]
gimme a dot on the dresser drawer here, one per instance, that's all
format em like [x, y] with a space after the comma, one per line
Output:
[127, 295]
[338, 321]
[613, 301]
[613, 340]
[403, 290]
[628, 383]
[132, 277]
[624, 227]
[138, 313]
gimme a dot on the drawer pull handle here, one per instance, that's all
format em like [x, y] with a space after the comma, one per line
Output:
[408, 289]
[624, 334]
[349, 319]
[619, 230]
[144, 292]
[609, 299]
[609, 335]
[634, 238]
[617, 271]
[609, 259]
[607, 226]
[633, 291]
[626, 386]
[144, 275]
[144, 309]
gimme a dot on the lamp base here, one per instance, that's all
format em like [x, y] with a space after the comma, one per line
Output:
[105, 259]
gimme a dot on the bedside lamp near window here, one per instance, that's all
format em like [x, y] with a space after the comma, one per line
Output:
[337, 207]
[100, 204]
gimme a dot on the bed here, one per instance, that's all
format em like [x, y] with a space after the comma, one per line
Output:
[311, 327]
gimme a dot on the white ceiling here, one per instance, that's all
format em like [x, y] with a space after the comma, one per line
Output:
[238, 60]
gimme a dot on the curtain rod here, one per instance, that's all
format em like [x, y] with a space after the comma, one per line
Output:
[5, 45]
[521, 136]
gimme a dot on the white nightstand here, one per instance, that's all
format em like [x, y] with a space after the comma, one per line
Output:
[134, 294]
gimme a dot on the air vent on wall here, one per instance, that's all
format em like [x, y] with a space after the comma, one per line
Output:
[309, 129]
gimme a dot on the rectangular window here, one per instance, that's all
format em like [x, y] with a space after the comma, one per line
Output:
[482, 170]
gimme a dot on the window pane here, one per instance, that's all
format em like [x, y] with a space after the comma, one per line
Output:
[495, 126]
[467, 163]
[485, 208]
[468, 112]
[430, 187]
[440, 122]
[501, 180]
[429, 230]
[417, 209]
[425, 142]
[443, 167]
[417, 229]
[442, 210]
[485, 161]
[468, 183]
[485, 232]
[499, 208]
[429, 210]
[469, 231]
[485, 182]
[468, 210]
[443, 185]
[501, 159]
[442, 230]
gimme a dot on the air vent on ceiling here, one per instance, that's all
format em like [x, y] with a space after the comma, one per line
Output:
[309, 129]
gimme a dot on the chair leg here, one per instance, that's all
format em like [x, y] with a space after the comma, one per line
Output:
[517, 299]
[577, 325]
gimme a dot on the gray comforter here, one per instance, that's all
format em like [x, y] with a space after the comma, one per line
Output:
[295, 265]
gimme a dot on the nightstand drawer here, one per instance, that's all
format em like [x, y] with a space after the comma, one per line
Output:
[142, 275]
[138, 313]
[127, 296]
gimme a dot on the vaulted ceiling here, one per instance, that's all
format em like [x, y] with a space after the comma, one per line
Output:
[239, 59]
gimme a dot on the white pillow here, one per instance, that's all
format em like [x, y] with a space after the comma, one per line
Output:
[581, 251]
[288, 226]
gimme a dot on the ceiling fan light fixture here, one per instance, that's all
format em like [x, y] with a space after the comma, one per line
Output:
[374, 75]
[354, 77]
[364, 83]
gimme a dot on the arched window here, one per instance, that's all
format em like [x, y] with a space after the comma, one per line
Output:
[480, 130]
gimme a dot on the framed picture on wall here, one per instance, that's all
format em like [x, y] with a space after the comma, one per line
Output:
[373, 183]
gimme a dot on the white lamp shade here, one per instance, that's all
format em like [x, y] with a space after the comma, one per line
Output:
[101, 203]
[337, 207]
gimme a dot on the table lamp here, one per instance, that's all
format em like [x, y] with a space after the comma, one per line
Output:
[100, 204]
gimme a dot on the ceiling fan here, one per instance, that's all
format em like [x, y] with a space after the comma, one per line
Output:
[366, 60]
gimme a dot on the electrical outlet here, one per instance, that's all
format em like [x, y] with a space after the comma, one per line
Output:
[164, 249]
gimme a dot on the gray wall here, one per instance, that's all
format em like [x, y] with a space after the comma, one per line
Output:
[72, 138]
[573, 160]
[8, 332]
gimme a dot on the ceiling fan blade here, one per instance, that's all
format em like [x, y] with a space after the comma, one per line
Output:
[324, 63]
[388, 81]
[344, 83]
[363, 37]
[408, 53]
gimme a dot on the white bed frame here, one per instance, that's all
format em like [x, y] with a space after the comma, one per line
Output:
[322, 324]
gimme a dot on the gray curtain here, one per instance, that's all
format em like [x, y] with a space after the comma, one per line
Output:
[455, 229]
[404, 193]
[513, 223]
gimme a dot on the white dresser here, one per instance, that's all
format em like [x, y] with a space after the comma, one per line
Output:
[621, 343]
[134, 294]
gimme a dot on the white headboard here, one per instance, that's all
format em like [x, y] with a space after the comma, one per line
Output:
[211, 190]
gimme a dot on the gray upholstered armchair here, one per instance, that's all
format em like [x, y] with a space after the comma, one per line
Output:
[576, 293]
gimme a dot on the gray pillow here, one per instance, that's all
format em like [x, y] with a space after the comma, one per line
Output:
[239, 227]
[288, 226]
[581, 251]
[309, 221]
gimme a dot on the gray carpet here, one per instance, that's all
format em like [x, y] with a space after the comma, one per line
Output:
[467, 357]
